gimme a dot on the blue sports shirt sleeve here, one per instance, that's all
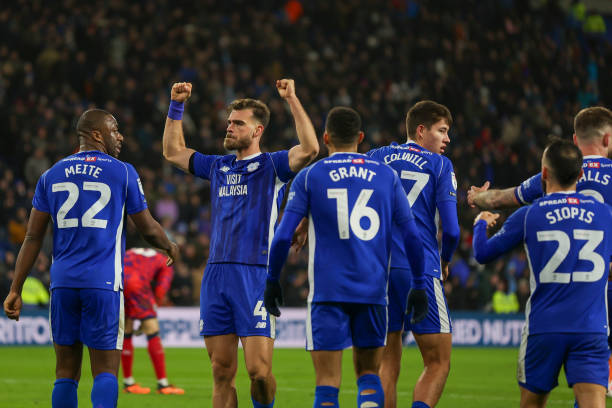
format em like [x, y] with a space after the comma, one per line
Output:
[297, 201]
[446, 188]
[40, 197]
[281, 165]
[281, 244]
[511, 234]
[450, 229]
[202, 164]
[529, 190]
[135, 200]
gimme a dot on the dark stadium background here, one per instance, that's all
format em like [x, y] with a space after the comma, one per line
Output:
[512, 72]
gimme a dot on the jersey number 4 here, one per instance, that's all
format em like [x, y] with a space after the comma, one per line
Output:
[87, 220]
[360, 210]
[593, 238]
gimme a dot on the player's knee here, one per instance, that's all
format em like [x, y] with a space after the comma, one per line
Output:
[259, 374]
[223, 372]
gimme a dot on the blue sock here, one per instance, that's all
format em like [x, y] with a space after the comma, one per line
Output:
[326, 393]
[576, 404]
[64, 393]
[420, 404]
[370, 382]
[105, 391]
[260, 405]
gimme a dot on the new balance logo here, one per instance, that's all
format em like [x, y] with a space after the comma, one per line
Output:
[260, 325]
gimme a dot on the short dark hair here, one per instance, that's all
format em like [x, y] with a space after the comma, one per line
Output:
[564, 160]
[90, 120]
[261, 112]
[343, 125]
[426, 113]
[589, 122]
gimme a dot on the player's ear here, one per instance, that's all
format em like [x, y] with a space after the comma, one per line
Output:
[420, 129]
[575, 139]
[606, 139]
[259, 130]
[361, 136]
[96, 136]
[326, 138]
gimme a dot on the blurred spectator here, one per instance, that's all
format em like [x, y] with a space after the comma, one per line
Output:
[511, 72]
[503, 300]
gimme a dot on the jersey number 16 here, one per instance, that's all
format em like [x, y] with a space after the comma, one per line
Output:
[360, 210]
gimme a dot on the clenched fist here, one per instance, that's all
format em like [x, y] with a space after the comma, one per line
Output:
[286, 88]
[181, 91]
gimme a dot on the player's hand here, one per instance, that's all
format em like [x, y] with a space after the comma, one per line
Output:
[489, 217]
[445, 270]
[12, 305]
[417, 305]
[300, 235]
[286, 88]
[173, 254]
[473, 191]
[273, 297]
[181, 91]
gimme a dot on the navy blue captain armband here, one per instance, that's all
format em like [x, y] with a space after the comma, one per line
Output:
[175, 111]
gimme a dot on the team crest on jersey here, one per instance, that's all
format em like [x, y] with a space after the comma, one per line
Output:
[358, 161]
[594, 165]
[454, 180]
[572, 200]
[224, 169]
[90, 158]
[253, 166]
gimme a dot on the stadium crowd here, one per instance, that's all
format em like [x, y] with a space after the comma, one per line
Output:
[512, 72]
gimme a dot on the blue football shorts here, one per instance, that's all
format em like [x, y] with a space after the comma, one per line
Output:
[438, 318]
[336, 326]
[231, 301]
[399, 285]
[93, 317]
[583, 355]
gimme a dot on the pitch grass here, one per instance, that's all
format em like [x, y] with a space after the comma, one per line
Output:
[479, 377]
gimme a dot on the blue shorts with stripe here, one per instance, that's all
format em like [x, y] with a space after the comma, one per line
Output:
[584, 357]
[93, 317]
[438, 318]
[338, 325]
[231, 301]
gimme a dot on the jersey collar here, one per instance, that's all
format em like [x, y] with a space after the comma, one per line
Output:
[335, 153]
[249, 157]
[564, 192]
[593, 156]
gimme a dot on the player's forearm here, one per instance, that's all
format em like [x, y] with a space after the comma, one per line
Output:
[279, 249]
[308, 148]
[414, 250]
[450, 229]
[495, 199]
[173, 141]
[486, 250]
[25, 261]
[155, 235]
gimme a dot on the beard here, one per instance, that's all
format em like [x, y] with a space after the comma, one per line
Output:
[235, 144]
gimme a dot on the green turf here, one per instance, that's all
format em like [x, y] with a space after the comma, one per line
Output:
[478, 378]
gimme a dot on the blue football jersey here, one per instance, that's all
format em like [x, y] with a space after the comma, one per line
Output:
[568, 241]
[351, 202]
[245, 198]
[87, 195]
[427, 179]
[595, 182]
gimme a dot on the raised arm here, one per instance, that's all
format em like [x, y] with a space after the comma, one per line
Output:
[308, 149]
[154, 234]
[174, 148]
[35, 234]
[486, 199]
[509, 236]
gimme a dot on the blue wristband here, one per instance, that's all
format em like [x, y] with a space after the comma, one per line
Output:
[175, 111]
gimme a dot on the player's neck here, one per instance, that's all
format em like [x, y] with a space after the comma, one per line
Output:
[249, 151]
[341, 149]
[84, 147]
[593, 150]
[557, 188]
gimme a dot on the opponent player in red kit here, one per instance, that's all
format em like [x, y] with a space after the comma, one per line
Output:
[146, 281]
